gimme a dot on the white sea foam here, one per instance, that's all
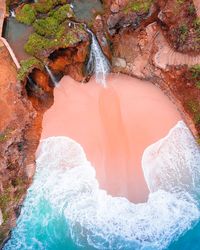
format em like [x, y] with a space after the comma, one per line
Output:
[173, 163]
[66, 181]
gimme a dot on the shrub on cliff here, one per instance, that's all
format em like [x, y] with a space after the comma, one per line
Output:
[138, 6]
[26, 15]
[27, 66]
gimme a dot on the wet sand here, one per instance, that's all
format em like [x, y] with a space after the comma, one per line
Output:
[114, 125]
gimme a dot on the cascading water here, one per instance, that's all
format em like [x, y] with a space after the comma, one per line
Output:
[97, 63]
[12, 13]
[51, 75]
[66, 209]
[31, 85]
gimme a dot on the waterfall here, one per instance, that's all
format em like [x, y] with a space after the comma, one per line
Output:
[51, 75]
[31, 85]
[97, 62]
[12, 13]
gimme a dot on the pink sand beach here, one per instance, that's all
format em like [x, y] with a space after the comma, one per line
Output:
[114, 125]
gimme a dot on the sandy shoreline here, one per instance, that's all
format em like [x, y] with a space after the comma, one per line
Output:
[114, 125]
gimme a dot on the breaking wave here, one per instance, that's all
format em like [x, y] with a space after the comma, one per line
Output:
[66, 209]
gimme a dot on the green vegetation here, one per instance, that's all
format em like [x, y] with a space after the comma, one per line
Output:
[197, 118]
[50, 31]
[26, 15]
[62, 13]
[3, 137]
[194, 108]
[197, 26]
[50, 25]
[8, 198]
[197, 22]
[37, 44]
[138, 6]
[195, 71]
[5, 199]
[17, 182]
[2, 236]
[46, 27]
[27, 66]
[44, 6]
[191, 9]
[195, 74]
[7, 5]
[5, 134]
[180, 1]
[183, 31]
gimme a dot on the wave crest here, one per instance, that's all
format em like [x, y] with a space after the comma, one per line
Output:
[65, 207]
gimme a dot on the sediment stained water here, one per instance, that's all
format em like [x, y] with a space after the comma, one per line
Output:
[67, 206]
[17, 35]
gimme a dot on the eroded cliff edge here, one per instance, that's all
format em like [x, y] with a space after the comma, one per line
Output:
[19, 137]
[151, 40]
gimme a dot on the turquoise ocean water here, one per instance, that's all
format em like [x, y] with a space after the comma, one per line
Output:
[65, 208]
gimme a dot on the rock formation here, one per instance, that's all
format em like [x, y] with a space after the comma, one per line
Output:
[18, 141]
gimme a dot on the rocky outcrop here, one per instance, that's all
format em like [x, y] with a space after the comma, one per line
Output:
[181, 24]
[18, 140]
[70, 61]
[132, 14]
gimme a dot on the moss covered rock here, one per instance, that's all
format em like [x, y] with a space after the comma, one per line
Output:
[62, 13]
[26, 15]
[46, 27]
[37, 44]
[41, 46]
[27, 66]
[44, 6]
[51, 32]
